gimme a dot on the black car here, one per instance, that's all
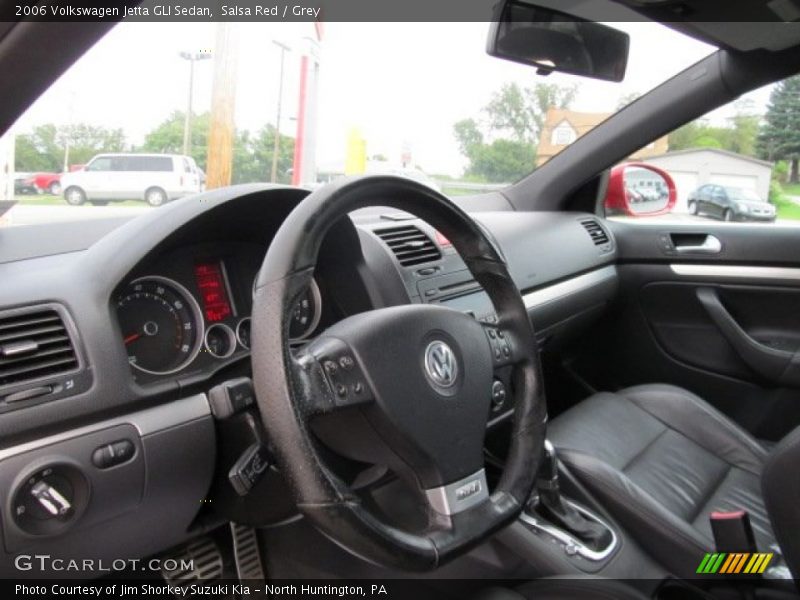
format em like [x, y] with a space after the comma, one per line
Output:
[24, 184]
[730, 204]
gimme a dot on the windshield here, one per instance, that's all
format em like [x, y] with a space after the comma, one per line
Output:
[132, 125]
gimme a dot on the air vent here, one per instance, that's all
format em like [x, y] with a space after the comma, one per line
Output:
[34, 344]
[410, 245]
[596, 232]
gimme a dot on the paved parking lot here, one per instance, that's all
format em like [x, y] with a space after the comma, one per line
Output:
[24, 214]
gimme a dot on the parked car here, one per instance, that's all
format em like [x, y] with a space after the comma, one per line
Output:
[24, 184]
[47, 182]
[730, 204]
[154, 178]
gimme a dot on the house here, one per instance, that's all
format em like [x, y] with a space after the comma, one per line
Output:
[694, 167]
[562, 127]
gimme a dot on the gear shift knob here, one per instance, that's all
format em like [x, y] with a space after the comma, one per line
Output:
[548, 469]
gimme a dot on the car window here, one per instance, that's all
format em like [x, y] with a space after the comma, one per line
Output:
[100, 164]
[317, 107]
[119, 163]
[737, 163]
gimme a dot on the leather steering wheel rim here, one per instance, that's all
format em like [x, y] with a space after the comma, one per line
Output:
[290, 390]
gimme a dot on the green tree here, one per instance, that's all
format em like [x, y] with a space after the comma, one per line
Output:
[87, 140]
[39, 150]
[739, 136]
[167, 137]
[503, 160]
[43, 148]
[502, 146]
[779, 138]
[252, 153]
[544, 96]
[252, 156]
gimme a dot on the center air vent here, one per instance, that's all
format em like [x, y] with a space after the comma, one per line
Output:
[596, 231]
[410, 245]
[34, 344]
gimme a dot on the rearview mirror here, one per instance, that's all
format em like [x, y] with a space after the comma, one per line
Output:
[553, 41]
[639, 190]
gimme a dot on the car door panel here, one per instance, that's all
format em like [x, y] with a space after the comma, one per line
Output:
[725, 325]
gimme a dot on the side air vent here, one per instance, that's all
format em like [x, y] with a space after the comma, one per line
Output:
[596, 232]
[410, 245]
[34, 344]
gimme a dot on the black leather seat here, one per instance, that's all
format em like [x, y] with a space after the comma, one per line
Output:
[661, 460]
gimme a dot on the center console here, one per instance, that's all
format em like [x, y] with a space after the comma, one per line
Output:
[577, 530]
[563, 531]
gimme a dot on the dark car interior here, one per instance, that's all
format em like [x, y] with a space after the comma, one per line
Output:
[506, 387]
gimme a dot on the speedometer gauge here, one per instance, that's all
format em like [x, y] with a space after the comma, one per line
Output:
[161, 325]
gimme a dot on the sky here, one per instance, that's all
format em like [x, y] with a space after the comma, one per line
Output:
[402, 85]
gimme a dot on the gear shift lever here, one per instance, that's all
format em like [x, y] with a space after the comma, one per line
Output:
[552, 506]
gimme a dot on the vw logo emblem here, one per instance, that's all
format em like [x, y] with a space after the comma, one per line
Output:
[441, 366]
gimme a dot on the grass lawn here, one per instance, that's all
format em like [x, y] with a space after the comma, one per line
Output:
[49, 200]
[791, 189]
[787, 209]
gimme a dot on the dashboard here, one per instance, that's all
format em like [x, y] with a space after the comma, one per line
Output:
[127, 331]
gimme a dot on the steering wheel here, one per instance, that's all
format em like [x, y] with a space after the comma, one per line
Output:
[408, 387]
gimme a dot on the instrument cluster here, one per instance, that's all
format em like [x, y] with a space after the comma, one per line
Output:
[198, 315]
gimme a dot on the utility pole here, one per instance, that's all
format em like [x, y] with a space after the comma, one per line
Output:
[192, 57]
[68, 133]
[277, 146]
[223, 101]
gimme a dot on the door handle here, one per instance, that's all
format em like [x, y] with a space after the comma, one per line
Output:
[710, 245]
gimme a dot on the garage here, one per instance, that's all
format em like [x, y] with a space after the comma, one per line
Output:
[744, 182]
[698, 166]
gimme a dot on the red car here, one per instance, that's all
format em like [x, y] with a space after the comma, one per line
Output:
[47, 182]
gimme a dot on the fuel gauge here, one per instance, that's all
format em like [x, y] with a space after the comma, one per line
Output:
[220, 341]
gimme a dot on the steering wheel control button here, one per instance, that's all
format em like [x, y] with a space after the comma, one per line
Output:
[231, 397]
[248, 469]
[343, 373]
[113, 454]
[498, 395]
[330, 367]
[499, 345]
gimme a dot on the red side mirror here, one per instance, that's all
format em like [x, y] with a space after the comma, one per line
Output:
[639, 190]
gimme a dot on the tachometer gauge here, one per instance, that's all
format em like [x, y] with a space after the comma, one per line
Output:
[161, 324]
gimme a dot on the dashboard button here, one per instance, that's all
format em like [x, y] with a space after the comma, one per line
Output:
[113, 454]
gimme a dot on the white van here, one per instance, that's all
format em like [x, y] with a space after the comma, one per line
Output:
[154, 178]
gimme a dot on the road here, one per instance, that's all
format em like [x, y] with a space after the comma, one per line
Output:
[24, 214]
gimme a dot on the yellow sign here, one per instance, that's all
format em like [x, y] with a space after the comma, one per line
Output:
[356, 161]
